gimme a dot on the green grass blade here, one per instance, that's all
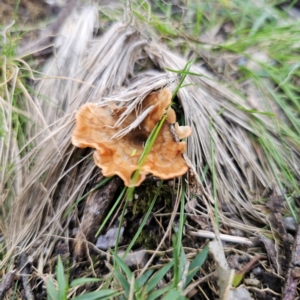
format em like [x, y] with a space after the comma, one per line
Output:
[144, 220]
[182, 265]
[184, 74]
[119, 228]
[187, 73]
[98, 295]
[181, 220]
[111, 211]
[143, 278]
[158, 276]
[122, 280]
[196, 264]
[120, 263]
[173, 295]
[61, 279]
[52, 291]
[154, 295]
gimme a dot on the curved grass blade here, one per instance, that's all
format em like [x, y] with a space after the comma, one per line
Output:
[61, 280]
[158, 276]
[98, 295]
[196, 264]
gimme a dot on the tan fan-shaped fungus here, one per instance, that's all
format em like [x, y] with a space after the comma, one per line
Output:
[95, 128]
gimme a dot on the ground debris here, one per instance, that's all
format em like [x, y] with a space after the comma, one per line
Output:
[282, 245]
[270, 249]
[94, 212]
[293, 274]
[290, 224]
[25, 275]
[6, 283]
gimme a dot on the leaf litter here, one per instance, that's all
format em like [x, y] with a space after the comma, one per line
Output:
[122, 66]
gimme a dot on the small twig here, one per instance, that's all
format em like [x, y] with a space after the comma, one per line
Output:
[251, 263]
[25, 276]
[6, 283]
[196, 283]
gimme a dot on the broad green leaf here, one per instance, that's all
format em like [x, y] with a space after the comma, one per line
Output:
[238, 277]
[98, 295]
[80, 281]
[196, 264]
[158, 276]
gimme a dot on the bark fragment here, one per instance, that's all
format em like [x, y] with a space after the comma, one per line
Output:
[95, 210]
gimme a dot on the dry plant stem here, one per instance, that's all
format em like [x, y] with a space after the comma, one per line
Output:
[25, 275]
[94, 212]
[6, 283]
[293, 274]
[223, 237]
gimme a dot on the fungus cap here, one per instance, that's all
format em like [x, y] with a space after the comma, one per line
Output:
[95, 128]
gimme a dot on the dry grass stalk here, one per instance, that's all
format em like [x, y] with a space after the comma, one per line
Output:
[242, 171]
[58, 177]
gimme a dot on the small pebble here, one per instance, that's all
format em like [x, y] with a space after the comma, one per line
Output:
[289, 223]
[109, 239]
[137, 259]
[241, 293]
[257, 271]
[252, 282]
